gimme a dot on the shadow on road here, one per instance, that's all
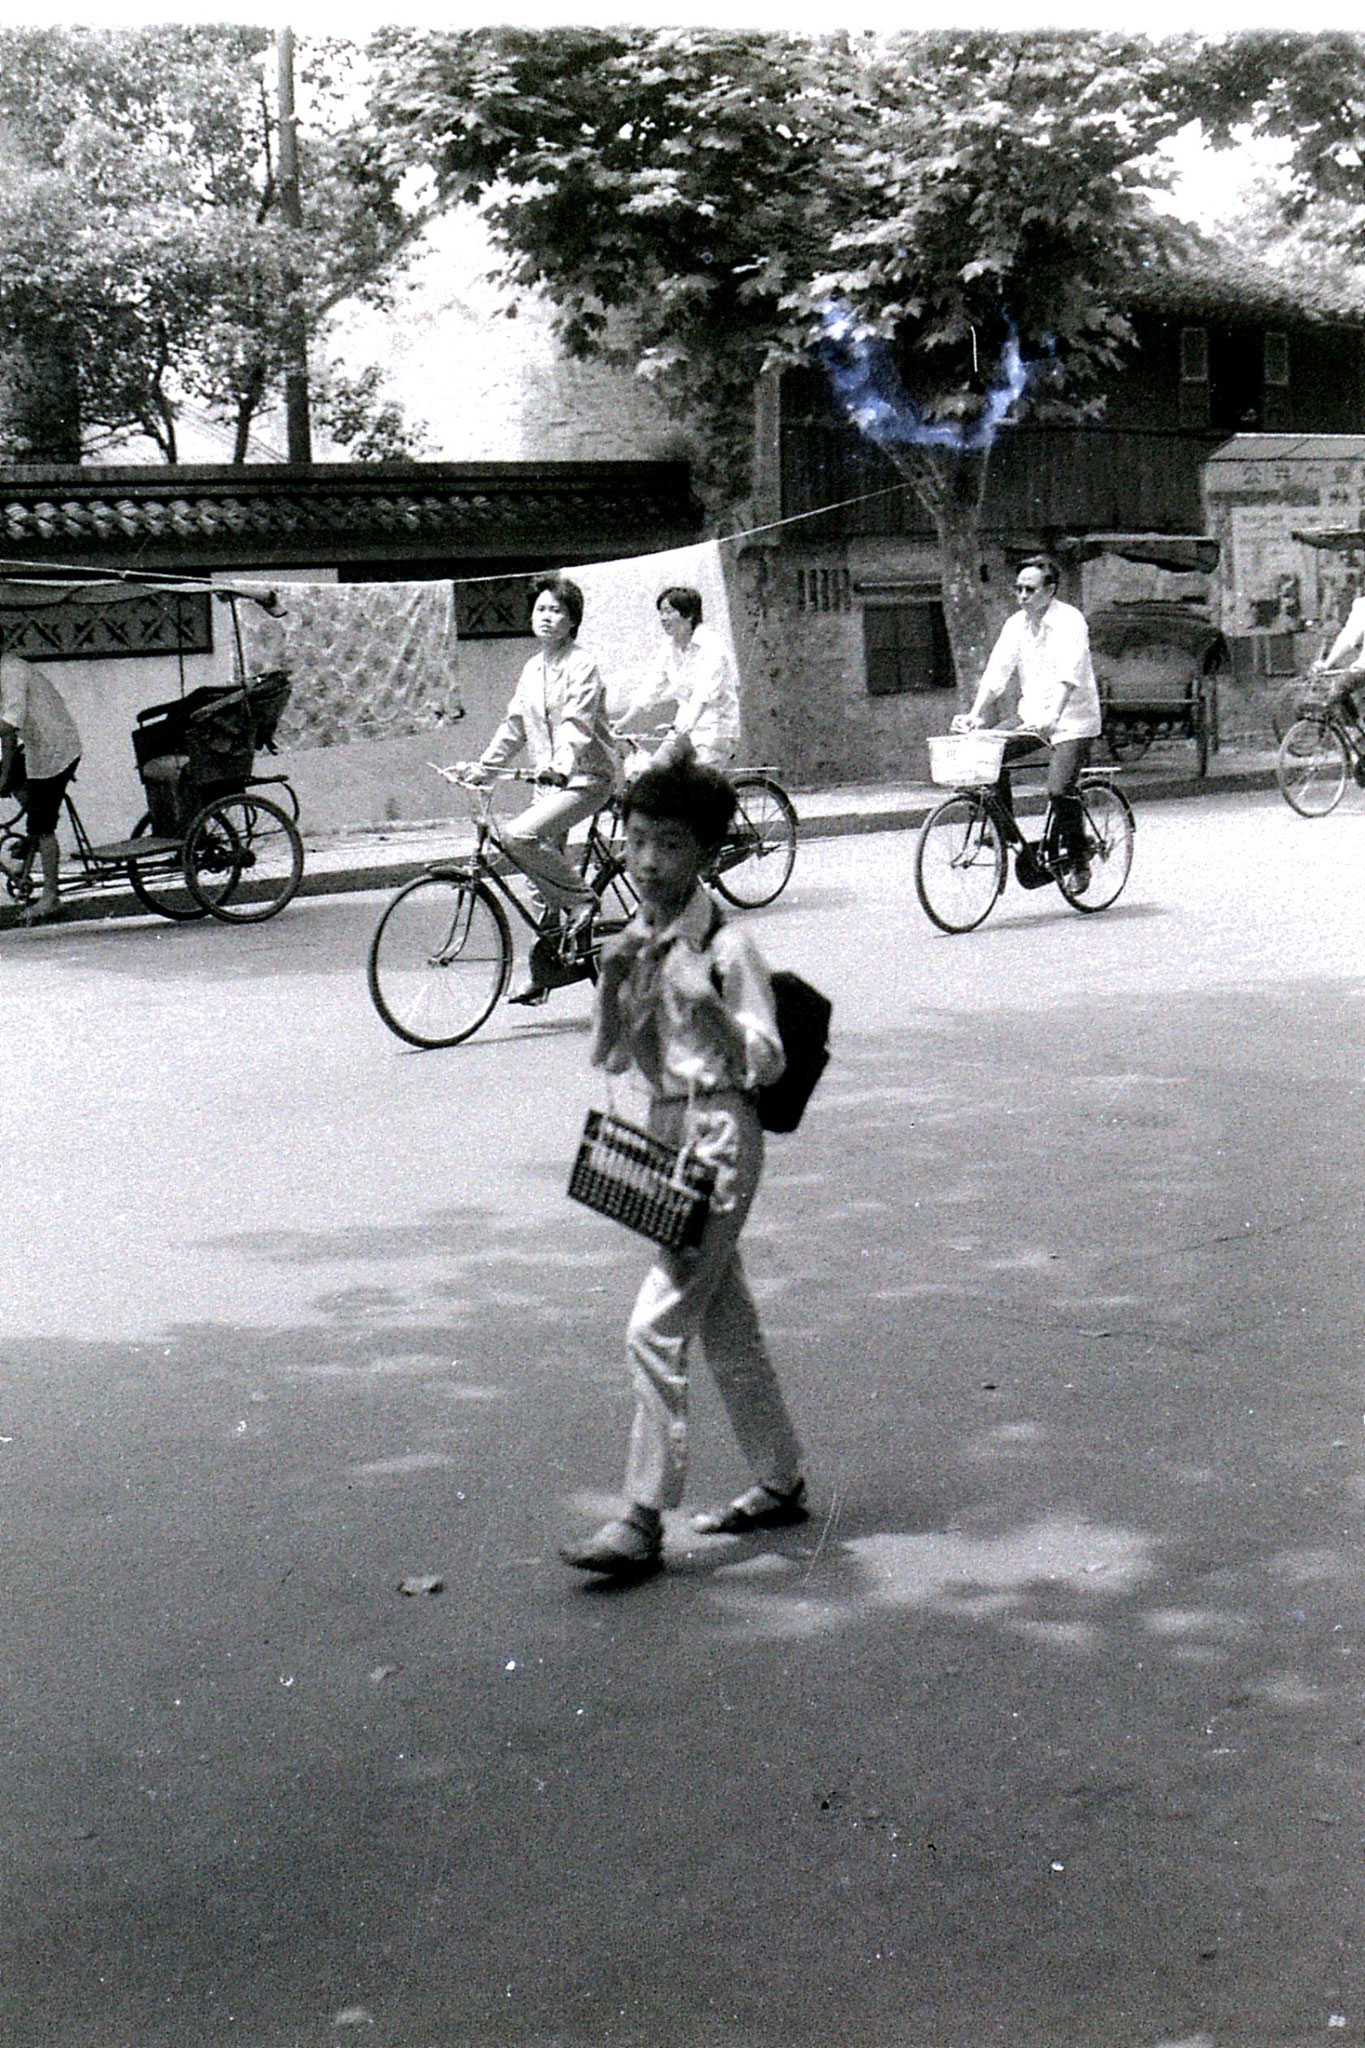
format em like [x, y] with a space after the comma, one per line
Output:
[1045, 1729]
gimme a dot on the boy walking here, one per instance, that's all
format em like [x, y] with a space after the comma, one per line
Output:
[685, 999]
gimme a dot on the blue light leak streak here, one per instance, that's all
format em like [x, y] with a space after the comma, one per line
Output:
[867, 386]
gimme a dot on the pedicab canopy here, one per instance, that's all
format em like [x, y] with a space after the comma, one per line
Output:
[1182, 553]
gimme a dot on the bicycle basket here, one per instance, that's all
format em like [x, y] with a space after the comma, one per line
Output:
[966, 760]
[659, 1191]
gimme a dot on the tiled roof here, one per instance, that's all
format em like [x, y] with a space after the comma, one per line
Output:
[333, 512]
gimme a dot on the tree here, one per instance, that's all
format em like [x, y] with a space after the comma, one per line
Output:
[1307, 92]
[143, 257]
[744, 200]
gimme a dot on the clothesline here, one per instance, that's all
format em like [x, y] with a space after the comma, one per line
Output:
[163, 578]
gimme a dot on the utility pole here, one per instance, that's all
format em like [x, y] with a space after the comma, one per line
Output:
[296, 363]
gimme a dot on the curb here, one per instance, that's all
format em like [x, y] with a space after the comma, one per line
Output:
[906, 814]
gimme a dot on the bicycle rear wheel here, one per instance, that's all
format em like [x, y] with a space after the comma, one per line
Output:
[755, 863]
[1109, 845]
[959, 863]
[439, 959]
[1311, 767]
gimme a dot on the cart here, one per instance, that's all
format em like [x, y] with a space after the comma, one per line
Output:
[211, 842]
[1157, 659]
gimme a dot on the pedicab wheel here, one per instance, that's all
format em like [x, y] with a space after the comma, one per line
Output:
[243, 858]
[167, 893]
[1311, 767]
[959, 863]
[755, 863]
[1109, 844]
[439, 959]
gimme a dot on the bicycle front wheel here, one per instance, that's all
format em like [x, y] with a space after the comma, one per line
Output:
[439, 959]
[1311, 767]
[1109, 848]
[959, 863]
[754, 865]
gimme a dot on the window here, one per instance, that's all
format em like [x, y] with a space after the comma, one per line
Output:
[1194, 376]
[823, 590]
[1275, 380]
[906, 649]
[87, 624]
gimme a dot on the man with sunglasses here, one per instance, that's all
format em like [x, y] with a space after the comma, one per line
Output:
[1045, 646]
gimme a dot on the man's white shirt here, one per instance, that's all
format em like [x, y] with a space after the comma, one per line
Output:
[1046, 657]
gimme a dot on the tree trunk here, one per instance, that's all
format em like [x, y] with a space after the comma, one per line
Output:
[950, 484]
[40, 404]
[965, 610]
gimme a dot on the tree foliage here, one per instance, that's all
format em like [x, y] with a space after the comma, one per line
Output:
[1307, 92]
[144, 257]
[721, 192]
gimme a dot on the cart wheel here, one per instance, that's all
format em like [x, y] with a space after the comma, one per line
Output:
[165, 891]
[1129, 741]
[243, 858]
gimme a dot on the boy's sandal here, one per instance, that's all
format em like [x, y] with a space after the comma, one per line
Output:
[762, 1507]
[630, 1548]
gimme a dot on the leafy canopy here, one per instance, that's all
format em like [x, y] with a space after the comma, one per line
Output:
[142, 243]
[692, 200]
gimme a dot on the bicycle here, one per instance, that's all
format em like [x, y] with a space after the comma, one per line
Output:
[441, 955]
[1320, 752]
[755, 861]
[962, 854]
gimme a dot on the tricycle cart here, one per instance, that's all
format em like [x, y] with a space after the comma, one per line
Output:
[210, 843]
[1157, 659]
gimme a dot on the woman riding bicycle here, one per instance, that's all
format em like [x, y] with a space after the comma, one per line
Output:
[1046, 645]
[557, 714]
[697, 676]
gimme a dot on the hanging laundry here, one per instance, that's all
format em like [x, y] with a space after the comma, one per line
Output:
[621, 621]
[367, 661]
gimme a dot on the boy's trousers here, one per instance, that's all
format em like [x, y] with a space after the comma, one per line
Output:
[705, 1294]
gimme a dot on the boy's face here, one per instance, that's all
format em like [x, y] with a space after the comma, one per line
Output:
[663, 860]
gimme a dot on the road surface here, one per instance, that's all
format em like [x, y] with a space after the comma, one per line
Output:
[1046, 1730]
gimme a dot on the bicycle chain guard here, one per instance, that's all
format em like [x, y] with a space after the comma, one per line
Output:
[550, 968]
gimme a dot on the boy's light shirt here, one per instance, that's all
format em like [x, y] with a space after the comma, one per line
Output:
[661, 1032]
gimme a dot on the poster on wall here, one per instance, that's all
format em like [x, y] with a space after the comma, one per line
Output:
[1274, 577]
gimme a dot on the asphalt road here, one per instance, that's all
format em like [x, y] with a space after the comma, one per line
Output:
[1047, 1730]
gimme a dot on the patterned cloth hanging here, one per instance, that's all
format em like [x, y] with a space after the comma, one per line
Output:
[367, 661]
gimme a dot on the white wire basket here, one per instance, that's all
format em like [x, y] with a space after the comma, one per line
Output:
[964, 760]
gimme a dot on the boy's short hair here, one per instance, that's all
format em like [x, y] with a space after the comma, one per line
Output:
[567, 592]
[685, 601]
[685, 793]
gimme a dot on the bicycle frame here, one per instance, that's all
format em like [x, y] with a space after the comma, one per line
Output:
[601, 867]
